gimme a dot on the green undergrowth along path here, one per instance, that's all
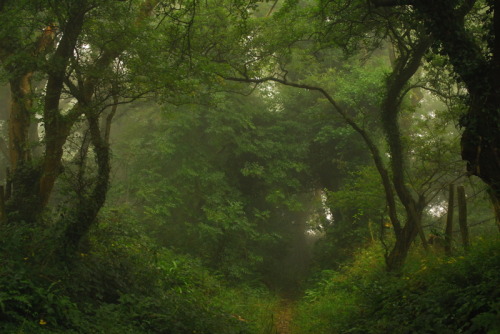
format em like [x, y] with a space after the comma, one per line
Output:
[433, 294]
[123, 286]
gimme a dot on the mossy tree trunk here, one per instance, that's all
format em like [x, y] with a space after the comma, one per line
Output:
[405, 66]
[478, 66]
[66, 76]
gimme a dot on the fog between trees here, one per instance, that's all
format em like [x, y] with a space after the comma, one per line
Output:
[182, 167]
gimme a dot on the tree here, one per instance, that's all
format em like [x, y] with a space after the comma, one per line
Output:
[57, 47]
[226, 181]
[69, 66]
[411, 44]
[475, 57]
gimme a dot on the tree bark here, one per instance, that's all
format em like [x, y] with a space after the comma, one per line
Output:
[19, 120]
[22, 189]
[448, 234]
[462, 217]
[3, 214]
[481, 137]
[397, 256]
[89, 206]
[8, 183]
[57, 126]
[495, 202]
[405, 67]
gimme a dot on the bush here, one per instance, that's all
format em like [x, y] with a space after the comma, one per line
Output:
[336, 298]
[123, 285]
[432, 295]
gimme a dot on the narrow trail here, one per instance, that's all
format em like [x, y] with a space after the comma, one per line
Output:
[283, 317]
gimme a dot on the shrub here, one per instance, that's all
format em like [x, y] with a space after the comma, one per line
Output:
[124, 284]
[432, 295]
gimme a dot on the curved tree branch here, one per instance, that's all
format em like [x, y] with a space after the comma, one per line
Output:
[377, 157]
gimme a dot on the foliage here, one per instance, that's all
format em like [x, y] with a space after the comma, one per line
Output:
[216, 195]
[432, 295]
[124, 285]
[223, 181]
[359, 215]
[362, 195]
[334, 299]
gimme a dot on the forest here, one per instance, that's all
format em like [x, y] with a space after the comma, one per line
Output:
[249, 166]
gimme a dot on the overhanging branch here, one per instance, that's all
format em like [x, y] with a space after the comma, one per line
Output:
[377, 157]
[296, 85]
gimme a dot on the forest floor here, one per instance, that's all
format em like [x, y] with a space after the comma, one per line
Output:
[283, 317]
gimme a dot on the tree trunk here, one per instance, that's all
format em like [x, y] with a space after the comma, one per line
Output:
[462, 217]
[481, 137]
[22, 185]
[35, 145]
[19, 120]
[404, 68]
[448, 234]
[89, 206]
[495, 201]
[55, 137]
[479, 72]
[8, 184]
[397, 256]
[3, 215]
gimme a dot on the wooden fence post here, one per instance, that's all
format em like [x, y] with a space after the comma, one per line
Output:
[8, 184]
[448, 234]
[462, 217]
[3, 215]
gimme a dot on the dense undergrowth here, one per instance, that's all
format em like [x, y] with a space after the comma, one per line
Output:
[433, 294]
[127, 284]
[123, 285]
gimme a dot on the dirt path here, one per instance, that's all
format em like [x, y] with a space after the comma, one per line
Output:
[283, 317]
